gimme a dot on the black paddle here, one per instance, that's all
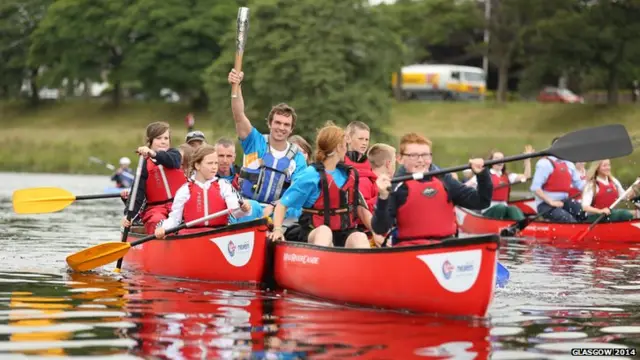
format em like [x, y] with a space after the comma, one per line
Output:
[591, 144]
[132, 200]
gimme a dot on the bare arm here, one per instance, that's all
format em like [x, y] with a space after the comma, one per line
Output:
[243, 125]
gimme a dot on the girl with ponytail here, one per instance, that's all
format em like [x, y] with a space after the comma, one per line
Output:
[327, 192]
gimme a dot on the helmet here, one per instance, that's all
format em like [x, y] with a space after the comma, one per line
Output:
[125, 161]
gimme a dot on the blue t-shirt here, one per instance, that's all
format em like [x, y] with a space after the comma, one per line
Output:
[254, 147]
[305, 191]
[256, 213]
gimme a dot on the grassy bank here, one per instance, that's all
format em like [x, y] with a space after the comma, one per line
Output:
[60, 137]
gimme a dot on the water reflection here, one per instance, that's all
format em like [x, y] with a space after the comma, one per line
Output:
[559, 296]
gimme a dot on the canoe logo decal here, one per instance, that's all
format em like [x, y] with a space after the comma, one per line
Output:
[455, 271]
[303, 259]
[429, 192]
[447, 269]
[231, 248]
[237, 249]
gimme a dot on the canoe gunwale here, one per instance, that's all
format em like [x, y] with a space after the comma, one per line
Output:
[227, 228]
[445, 243]
[479, 215]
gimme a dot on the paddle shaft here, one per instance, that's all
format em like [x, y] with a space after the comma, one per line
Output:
[97, 196]
[183, 226]
[131, 204]
[418, 176]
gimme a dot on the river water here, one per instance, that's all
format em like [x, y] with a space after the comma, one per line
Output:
[557, 298]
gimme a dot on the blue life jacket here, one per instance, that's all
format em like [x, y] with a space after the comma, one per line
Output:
[272, 177]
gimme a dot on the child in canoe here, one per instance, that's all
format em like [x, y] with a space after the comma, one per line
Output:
[423, 210]
[203, 194]
[327, 192]
[160, 178]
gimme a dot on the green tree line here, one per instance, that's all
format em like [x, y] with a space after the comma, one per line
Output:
[331, 59]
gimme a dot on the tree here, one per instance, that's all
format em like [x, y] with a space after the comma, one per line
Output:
[331, 60]
[81, 39]
[18, 20]
[177, 41]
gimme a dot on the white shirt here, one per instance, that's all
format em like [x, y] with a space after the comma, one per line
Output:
[587, 193]
[227, 192]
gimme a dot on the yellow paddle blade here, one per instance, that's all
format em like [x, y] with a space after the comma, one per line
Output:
[97, 256]
[41, 200]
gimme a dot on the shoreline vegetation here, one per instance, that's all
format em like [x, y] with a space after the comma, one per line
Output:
[60, 137]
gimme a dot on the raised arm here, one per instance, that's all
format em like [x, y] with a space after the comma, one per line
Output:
[243, 125]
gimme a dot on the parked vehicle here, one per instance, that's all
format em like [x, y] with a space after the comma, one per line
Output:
[556, 95]
[442, 82]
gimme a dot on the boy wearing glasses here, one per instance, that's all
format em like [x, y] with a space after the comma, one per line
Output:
[423, 210]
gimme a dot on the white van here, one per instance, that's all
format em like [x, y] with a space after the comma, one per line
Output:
[441, 81]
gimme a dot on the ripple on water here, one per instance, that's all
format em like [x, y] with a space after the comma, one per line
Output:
[505, 331]
[621, 329]
[562, 335]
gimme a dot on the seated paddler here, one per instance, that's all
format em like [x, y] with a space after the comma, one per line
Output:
[327, 192]
[423, 210]
[204, 194]
[161, 176]
[601, 190]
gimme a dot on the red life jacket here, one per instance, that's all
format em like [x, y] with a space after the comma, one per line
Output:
[336, 207]
[605, 195]
[201, 204]
[427, 214]
[365, 165]
[560, 179]
[502, 193]
[162, 183]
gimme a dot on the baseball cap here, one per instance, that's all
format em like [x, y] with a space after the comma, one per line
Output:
[125, 161]
[194, 135]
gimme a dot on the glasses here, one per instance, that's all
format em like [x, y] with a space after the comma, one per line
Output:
[417, 156]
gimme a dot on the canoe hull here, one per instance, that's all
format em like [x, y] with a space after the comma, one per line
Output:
[623, 231]
[235, 253]
[456, 277]
[527, 206]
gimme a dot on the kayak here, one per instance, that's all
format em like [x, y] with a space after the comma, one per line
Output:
[234, 253]
[472, 223]
[528, 205]
[454, 277]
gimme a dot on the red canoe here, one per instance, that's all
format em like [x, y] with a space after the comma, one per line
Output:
[234, 253]
[455, 277]
[528, 205]
[621, 231]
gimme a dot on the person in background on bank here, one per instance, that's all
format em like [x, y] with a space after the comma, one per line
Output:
[423, 210]
[552, 184]
[601, 190]
[502, 181]
[195, 138]
[123, 176]
[303, 145]
[190, 121]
